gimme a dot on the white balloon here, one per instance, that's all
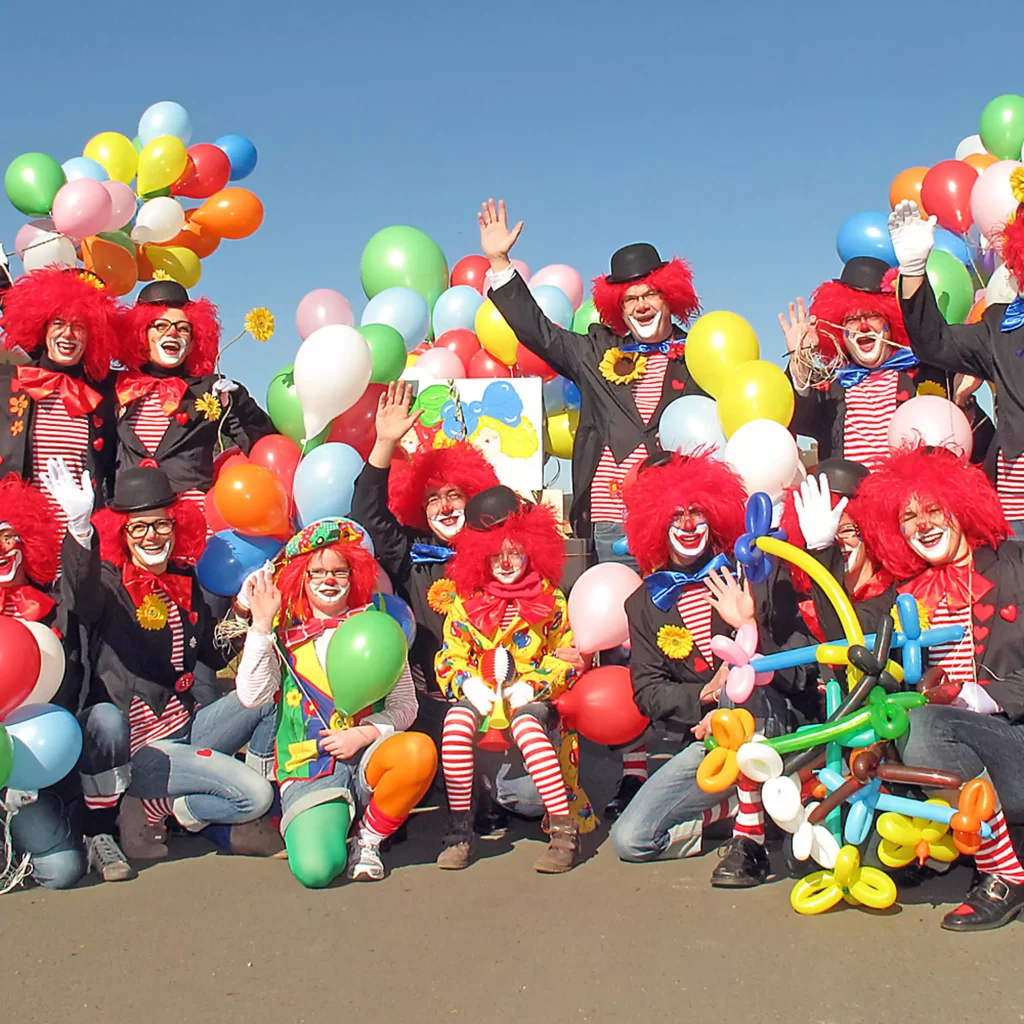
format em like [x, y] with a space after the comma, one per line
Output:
[765, 455]
[51, 668]
[417, 373]
[759, 762]
[159, 220]
[332, 368]
[972, 144]
[50, 250]
[781, 800]
[1002, 286]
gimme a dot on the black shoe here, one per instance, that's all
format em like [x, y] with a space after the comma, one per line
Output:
[744, 864]
[913, 875]
[990, 904]
[491, 822]
[629, 786]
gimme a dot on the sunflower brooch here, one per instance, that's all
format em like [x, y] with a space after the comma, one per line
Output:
[209, 405]
[152, 613]
[622, 367]
[675, 641]
[441, 595]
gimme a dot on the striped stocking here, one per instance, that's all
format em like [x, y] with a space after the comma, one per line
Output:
[750, 817]
[996, 856]
[723, 809]
[541, 762]
[457, 736]
[157, 809]
[634, 762]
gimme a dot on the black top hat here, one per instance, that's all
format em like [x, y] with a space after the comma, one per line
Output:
[491, 508]
[864, 274]
[142, 489]
[633, 262]
[843, 475]
[163, 293]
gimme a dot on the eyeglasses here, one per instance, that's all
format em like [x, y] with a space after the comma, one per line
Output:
[183, 327]
[632, 301]
[848, 533]
[58, 327]
[138, 529]
[319, 575]
[876, 321]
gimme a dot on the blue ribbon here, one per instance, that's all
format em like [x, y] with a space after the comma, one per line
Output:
[430, 554]
[1014, 315]
[665, 348]
[849, 376]
[666, 586]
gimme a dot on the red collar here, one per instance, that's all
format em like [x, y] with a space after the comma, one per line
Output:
[133, 385]
[299, 635]
[79, 399]
[140, 583]
[960, 585]
[486, 610]
[28, 602]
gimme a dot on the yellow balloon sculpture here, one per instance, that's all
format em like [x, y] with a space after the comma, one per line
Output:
[495, 335]
[717, 343]
[822, 890]
[756, 390]
[905, 839]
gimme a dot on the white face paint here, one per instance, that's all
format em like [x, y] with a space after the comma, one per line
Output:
[10, 563]
[510, 565]
[153, 555]
[688, 536]
[167, 347]
[647, 328]
[934, 544]
[932, 533]
[446, 524]
[331, 592]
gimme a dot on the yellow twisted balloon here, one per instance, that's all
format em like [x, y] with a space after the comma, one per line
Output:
[848, 881]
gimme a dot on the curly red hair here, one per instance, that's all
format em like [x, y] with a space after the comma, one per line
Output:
[674, 281]
[1010, 242]
[30, 514]
[459, 465]
[291, 579]
[52, 293]
[832, 302]
[535, 527]
[189, 534]
[656, 493]
[927, 474]
[202, 315]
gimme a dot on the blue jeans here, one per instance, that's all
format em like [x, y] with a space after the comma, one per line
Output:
[1017, 525]
[45, 830]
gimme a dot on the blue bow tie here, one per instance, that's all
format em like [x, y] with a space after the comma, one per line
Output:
[1014, 315]
[666, 348]
[430, 554]
[849, 376]
[666, 586]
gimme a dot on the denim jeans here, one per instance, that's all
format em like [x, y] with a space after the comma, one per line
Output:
[1017, 526]
[45, 830]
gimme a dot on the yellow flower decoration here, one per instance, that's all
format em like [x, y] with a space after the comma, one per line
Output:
[922, 614]
[16, 427]
[17, 405]
[622, 367]
[259, 322]
[931, 387]
[162, 275]
[1017, 183]
[293, 698]
[209, 405]
[675, 641]
[152, 613]
[441, 595]
[90, 278]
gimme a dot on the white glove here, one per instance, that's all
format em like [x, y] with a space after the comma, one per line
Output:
[819, 521]
[479, 694]
[242, 597]
[76, 500]
[912, 237]
[224, 385]
[519, 694]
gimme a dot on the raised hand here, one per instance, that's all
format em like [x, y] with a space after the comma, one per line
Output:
[800, 329]
[394, 420]
[76, 500]
[819, 521]
[734, 604]
[264, 600]
[912, 237]
[496, 240]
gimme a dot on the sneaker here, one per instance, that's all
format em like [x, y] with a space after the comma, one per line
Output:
[364, 863]
[991, 904]
[105, 857]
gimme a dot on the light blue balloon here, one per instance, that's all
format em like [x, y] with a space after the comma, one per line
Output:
[242, 154]
[456, 309]
[229, 557]
[554, 303]
[689, 423]
[955, 245]
[571, 394]
[403, 309]
[325, 481]
[84, 167]
[866, 234]
[554, 395]
[165, 118]
[47, 744]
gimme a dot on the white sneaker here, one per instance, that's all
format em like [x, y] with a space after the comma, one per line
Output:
[364, 863]
[106, 859]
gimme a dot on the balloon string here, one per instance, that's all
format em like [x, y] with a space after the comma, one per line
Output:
[237, 337]
[227, 409]
[12, 875]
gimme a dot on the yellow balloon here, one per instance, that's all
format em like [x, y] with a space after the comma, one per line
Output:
[560, 433]
[161, 163]
[756, 390]
[495, 335]
[116, 153]
[178, 262]
[717, 343]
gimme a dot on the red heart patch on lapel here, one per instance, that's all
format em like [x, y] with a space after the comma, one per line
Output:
[979, 649]
[97, 422]
[98, 444]
[700, 665]
[15, 385]
[193, 617]
[678, 385]
[984, 612]
[1009, 613]
[182, 418]
[980, 632]
[902, 396]
[912, 374]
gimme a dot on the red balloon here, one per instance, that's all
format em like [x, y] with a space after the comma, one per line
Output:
[207, 171]
[600, 706]
[356, 426]
[462, 342]
[214, 520]
[20, 661]
[471, 270]
[483, 364]
[280, 455]
[231, 457]
[531, 365]
[946, 194]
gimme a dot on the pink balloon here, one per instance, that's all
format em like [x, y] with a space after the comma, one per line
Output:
[31, 233]
[524, 270]
[992, 199]
[320, 308]
[739, 684]
[597, 611]
[931, 420]
[443, 363]
[383, 583]
[81, 207]
[564, 277]
[122, 204]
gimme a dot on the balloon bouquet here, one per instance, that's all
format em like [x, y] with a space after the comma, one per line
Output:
[121, 208]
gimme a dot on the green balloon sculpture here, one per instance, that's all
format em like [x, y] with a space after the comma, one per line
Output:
[951, 282]
[285, 410]
[31, 181]
[585, 316]
[6, 756]
[387, 351]
[404, 257]
[364, 660]
[1002, 127]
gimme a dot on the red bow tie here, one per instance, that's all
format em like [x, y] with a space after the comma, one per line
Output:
[960, 585]
[298, 635]
[79, 399]
[27, 602]
[140, 583]
[486, 610]
[132, 385]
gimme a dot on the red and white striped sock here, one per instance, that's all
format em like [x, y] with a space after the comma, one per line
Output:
[95, 802]
[996, 856]
[542, 763]
[158, 809]
[377, 824]
[634, 762]
[723, 809]
[750, 816]
[457, 735]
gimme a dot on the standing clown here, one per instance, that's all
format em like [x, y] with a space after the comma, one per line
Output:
[328, 767]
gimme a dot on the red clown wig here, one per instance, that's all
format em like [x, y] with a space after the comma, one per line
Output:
[460, 465]
[55, 294]
[658, 492]
[202, 315]
[834, 301]
[291, 579]
[674, 281]
[189, 534]
[1011, 245]
[27, 511]
[929, 475]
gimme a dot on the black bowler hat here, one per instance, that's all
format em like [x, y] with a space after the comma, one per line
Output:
[163, 293]
[864, 274]
[661, 458]
[142, 489]
[491, 508]
[633, 262]
[843, 475]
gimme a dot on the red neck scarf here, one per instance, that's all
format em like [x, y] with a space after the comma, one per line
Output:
[27, 602]
[132, 385]
[140, 583]
[79, 399]
[486, 610]
[960, 585]
[299, 635]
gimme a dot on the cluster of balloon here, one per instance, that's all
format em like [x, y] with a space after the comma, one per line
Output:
[87, 209]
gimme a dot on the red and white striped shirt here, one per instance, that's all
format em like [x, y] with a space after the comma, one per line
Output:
[696, 615]
[956, 658]
[149, 421]
[58, 435]
[870, 406]
[1010, 486]
[606, 490]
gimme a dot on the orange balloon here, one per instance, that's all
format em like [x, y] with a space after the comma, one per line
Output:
[977, 312]
[202, 241]
[113, 264]
[907, 185]
[979, 161]
[145, 267]
[251, 500]
[230, 213]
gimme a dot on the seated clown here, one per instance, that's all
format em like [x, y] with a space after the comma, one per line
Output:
[329, 768]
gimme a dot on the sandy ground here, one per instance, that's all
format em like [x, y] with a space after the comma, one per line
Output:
[206, 937]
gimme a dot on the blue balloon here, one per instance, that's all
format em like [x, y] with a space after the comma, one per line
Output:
[325, 482]
[554, 303]
[229, 557]
[84, 167]
[399, 611]
[242, 154]
[689, 423]
[571, 394]
[955, 245]
[165, 118]
[866, 234]
[456, 309]
[47, 744]
[554, 395]
[403, 309]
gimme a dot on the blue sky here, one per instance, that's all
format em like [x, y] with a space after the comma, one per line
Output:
[738, 136]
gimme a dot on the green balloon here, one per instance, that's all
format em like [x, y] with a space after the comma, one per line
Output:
[365, 657]
[404, 257]
[432, 400]
[121, 238]
[6, 756]
[31, 181]
[285, 410]
[951, 283]
[585, 316]
[387, 350]
[137, 144]
[1002, 127]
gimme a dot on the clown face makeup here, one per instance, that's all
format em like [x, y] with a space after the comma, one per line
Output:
[646, 313]
[328, 580]
[12, 570]
[852, 546]
[170, 338]
[510, 565]
[688, 536]
[65, 342]
[868, 339]
[933, 533]
[150, 539]
[445, 508]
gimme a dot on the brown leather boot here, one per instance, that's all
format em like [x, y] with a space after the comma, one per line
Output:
[139, 839]
[458, 838]
[259, 838]
[563, 852]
